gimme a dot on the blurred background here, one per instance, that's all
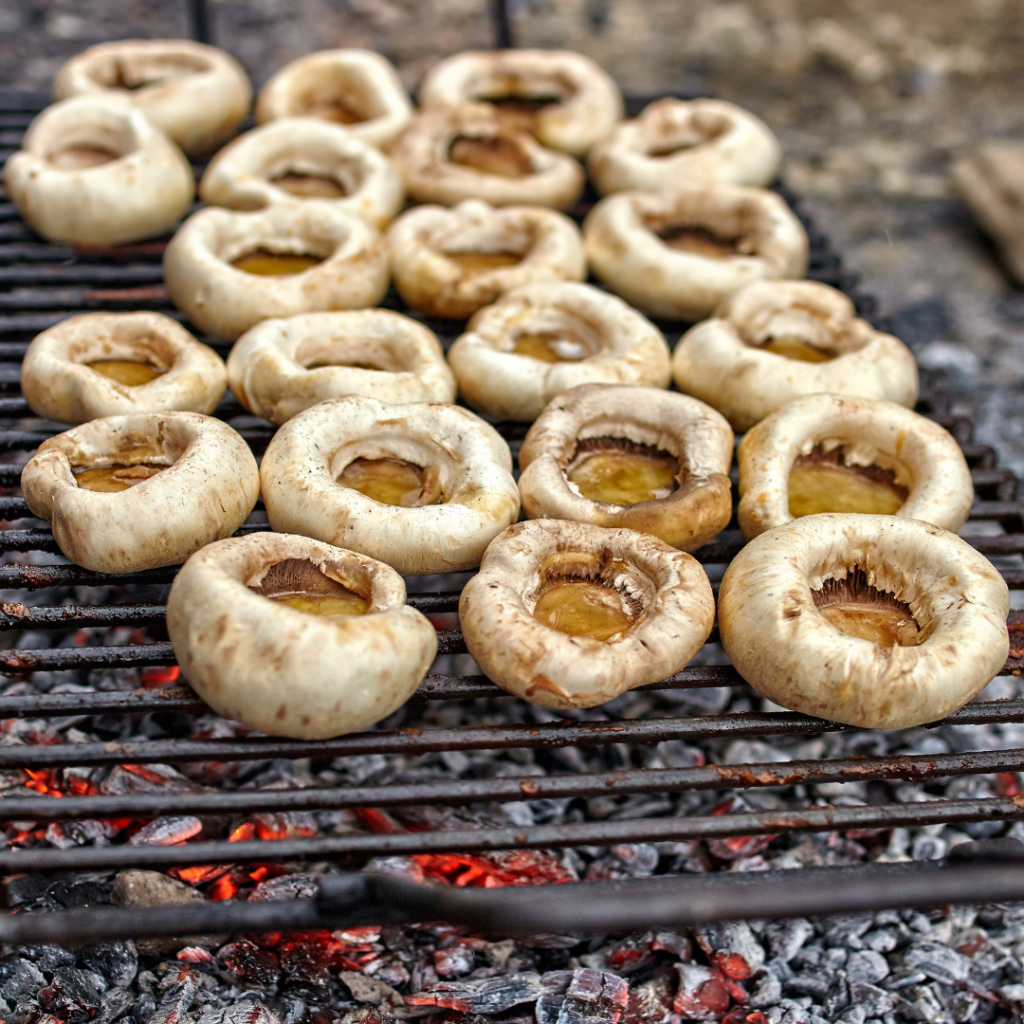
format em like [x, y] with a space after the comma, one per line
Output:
[872, 101]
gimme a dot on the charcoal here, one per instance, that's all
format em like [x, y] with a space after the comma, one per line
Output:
[368, 990]
[25, 889]
[248, 1011]
[938, 962]
[852, 1015]
[118, 962]
[881, 940]
[702, 993]
[143, 1008]
[961, 1006]
[73, 995]
[786, 938]
[167, 831]
[487, 995]
[594, 996]
[48, 958]
[177, 998]
[809, 983]
[18, 978]
[626, 956]
[875, 1001]
[840, 929]
[732, 948]
[650, 1002]
[924, 1003]
[247, 962]
[866, 965]
[305, 963]
[454, 962]
[767, 990]
[79, 893]
[114, 1004]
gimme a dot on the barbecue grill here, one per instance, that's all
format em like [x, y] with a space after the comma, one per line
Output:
[43, 283]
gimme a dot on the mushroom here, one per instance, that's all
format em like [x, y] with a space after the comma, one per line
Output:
[676, 142]
[304, 159]
[835, 453]
[109, 364]
[543, 338]
[880, 622]
[564, 99]
[771, 342]
[630, 457]
[451, 262]
[93, 171]
[682, 253]
[296, 638]
[424, 487]
[280, 367]
[357, 88]
[125, 493]
[229, 270]
[569, 615]
[196, 94]
[449, 154]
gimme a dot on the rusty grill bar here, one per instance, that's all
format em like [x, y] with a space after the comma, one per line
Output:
[40, 285]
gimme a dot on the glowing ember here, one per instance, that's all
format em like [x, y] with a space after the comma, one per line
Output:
[152, 677]
[242, 834]
[503, 867]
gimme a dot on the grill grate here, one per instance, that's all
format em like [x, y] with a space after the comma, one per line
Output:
[40, 285]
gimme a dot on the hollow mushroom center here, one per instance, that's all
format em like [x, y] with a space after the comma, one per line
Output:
[559, 345]
[498, 155]
[860, 610]
[621, 472]
[581, 599]
[82, 156]
[393, 481]
[472, 263]
[309, 186]
[267, 263]
[135, 463]
[519, 109]
[132, 75]
[701, 241]
[131, 372]
[696, 131]
[823, 482]
[301, 585]
[329, 106]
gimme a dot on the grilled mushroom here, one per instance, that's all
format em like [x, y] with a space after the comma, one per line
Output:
[109, 364]
[449, 154]
[296, 638]
[423, 487]
[357, 88]
[680, 254]
[304, 159]
[772, 342]
[134, 492]
[451, 262]
[570, 615]
[676, 142]
[564, 99]
[876, 621]
[196, 94]
[833, 453]
[281, 367]
[543, 338]
[230, 270]
[630, 457]
[92, 170]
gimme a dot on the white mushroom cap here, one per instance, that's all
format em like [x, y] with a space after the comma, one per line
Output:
[224, 300]
[142, 188]
[783, 646]
[697, 436]
[359, 86]
[668, 590]
[58, 383]
[625, 251]
[209, 487]
[924, 458]
[478, 494]
[586, 102]
[283, 671]
[422, 155]
[196, 94]
[676, 142]
[242, 175]
[422, 239]
[624, 347]
[280, 367]
[721, 361]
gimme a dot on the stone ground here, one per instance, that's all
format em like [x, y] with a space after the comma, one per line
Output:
[872, 101]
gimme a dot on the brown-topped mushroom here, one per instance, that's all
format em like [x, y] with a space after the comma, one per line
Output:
[880, 622]
[835, 453]
[570, 615]
[296, 638]
[630, 457]
[774, 341]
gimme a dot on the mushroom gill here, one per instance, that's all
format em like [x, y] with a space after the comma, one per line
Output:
[303, 586]
[823, 482]
[860, 610]
[700, 241]
[393, 481]
[496, 155]
[622, 472]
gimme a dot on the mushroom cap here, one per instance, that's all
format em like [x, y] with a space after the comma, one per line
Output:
[224, 300]
[141, 191]
[277, 368]
[684, 141]
[241, 176]
[697, 436]
[209, 487]
[629, 349]
[589, 105]
[619, 236]
[280, 670]
[924, 457]
[362, 79]
[59, 385]
[782, 645]
[307, 455]
[719, 361]
[422, 157]
[199, 94]
[555, 669]
[420, 239]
